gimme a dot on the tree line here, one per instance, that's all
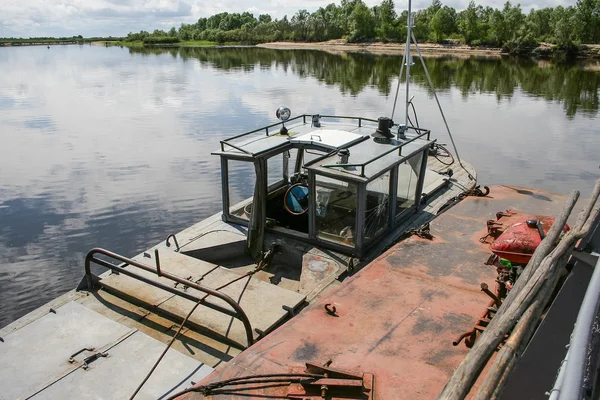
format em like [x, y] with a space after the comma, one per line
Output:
[353, 20]
[12, 41]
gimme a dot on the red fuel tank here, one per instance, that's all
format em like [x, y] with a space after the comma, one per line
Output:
[518, 242]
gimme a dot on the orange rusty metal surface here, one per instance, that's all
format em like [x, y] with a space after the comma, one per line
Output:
[397, 317]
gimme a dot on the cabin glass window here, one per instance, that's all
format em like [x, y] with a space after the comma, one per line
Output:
[241, 179]
[277, 170]
[292, 160]
[408, 178]
[310, 155]
[378, 206]
[336, 203]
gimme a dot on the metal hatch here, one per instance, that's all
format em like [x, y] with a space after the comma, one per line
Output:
[74, 352]
[328, 138]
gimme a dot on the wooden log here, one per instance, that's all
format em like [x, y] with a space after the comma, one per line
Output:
[506, 359]
[469, 369]
[493, 384]
[584, 215]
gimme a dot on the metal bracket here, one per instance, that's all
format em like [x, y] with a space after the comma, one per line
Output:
[331, 310]
[336, 384]
[88, 360]
[72, 358]
[289, 310]
[168, 242]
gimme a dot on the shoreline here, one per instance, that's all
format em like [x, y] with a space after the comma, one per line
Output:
[379, 48]
[584, 52]
[587, 52]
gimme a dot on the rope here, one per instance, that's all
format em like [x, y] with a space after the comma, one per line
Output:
[261, 265]
[436, 100]
[439, 106]
[398, 86]
[441, 154]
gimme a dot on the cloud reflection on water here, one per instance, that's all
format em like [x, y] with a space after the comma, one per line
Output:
[129, 158]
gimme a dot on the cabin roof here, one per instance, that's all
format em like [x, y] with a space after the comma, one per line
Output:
[369, 158]
[366, 153]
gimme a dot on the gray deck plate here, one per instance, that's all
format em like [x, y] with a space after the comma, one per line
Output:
[49, 341]
[262, 302]
[34, 355]
[117, 376]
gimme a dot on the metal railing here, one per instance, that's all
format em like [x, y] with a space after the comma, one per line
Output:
[569, 384]
[226, 142]
[399, 147]
[236, 312]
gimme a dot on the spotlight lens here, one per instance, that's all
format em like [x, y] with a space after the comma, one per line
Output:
[283, 113]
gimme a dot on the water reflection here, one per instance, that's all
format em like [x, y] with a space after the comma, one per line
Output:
[572, 85]
[111, 147]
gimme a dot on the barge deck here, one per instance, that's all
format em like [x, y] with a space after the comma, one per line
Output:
[397, 318]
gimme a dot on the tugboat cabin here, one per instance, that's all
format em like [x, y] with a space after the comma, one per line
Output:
[336, 182]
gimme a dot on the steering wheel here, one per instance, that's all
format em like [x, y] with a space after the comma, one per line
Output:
[295, 200]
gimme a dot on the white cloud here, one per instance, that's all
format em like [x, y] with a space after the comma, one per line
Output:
[27, 18]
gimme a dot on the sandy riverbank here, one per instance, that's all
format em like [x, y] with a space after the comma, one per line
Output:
[337, 46]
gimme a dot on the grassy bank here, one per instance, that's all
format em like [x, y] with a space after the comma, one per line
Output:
[181, 43]
[42, 41]
[449, 47]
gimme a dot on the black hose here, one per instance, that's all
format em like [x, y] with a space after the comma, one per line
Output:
[414, 112]
[437, 147]
[248, 380]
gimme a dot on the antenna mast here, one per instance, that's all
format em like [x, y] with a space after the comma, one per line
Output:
[408, 58]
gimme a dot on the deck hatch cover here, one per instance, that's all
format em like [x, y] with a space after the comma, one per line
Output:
[53, 338]
[328, 138]
[118, 375]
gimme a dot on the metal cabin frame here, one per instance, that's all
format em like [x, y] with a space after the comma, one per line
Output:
[235, 152]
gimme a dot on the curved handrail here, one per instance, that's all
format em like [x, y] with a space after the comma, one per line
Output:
[237, 312]
[168, 243]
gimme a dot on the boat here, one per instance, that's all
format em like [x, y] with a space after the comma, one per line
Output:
[345, 260]
[330, 193]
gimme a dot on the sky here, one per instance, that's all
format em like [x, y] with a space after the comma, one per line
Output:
[33, 18]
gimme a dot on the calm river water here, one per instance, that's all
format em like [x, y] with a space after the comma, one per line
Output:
[110, 147]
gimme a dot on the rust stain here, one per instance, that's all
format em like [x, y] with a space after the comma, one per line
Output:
[399, 315]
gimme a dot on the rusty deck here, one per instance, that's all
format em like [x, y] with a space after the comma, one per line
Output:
[396, 318]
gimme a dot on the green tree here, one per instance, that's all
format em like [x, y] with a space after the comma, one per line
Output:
[443, 23]
[264, 19]
[513, 19]
[361, 23]
[588, 21]
[385, 19]
[508, 27]
[564, 20]
[540, 24]
[300, 24]
[468, 23]
[347, 8]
